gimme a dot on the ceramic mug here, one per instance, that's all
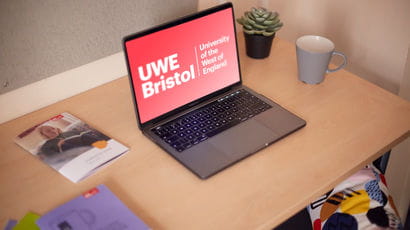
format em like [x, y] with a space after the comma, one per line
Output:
[313, 55]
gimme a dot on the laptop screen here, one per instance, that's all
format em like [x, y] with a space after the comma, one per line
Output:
[180, 62]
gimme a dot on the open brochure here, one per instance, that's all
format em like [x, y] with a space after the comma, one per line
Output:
[97, 209]
[70, 146]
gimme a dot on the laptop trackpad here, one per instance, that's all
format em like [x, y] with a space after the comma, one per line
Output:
[243, 139]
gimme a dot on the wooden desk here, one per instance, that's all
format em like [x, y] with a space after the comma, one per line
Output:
[350, 122]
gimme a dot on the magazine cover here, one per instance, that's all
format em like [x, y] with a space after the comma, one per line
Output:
[96, 209]
[70, 146]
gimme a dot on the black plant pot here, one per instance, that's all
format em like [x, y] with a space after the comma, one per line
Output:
[258, 46]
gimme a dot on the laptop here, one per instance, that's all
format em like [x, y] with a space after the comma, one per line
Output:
[188, 95]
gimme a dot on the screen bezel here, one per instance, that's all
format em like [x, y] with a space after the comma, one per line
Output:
[170, 24]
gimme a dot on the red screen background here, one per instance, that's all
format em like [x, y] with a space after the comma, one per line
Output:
[184, 40]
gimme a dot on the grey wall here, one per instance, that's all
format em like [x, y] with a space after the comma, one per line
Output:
[41, 38]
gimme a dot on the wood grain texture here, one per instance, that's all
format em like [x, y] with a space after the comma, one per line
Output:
[350, 122]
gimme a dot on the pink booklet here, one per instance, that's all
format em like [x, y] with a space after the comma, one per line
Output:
[97, 209]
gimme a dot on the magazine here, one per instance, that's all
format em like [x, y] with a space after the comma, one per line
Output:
[70, 146]
[97, 209]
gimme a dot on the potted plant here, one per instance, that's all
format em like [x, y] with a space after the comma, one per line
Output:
[259, 27]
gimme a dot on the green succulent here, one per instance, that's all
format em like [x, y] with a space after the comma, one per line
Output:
[260, 21]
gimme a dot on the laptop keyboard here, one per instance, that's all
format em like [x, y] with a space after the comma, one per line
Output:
[211, 119]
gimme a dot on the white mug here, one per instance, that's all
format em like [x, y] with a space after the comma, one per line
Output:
[313, 56]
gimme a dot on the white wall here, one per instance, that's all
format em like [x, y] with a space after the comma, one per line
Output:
[374, 34]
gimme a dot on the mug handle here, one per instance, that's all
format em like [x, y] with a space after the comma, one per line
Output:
[342, 65]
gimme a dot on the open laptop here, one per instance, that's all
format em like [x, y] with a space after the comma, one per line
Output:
[189, 98]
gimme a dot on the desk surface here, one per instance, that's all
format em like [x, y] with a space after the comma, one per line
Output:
[350, 122]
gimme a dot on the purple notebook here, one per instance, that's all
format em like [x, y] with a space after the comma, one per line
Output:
[97, 209]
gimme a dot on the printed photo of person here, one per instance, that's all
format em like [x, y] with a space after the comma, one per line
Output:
[61, 139]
